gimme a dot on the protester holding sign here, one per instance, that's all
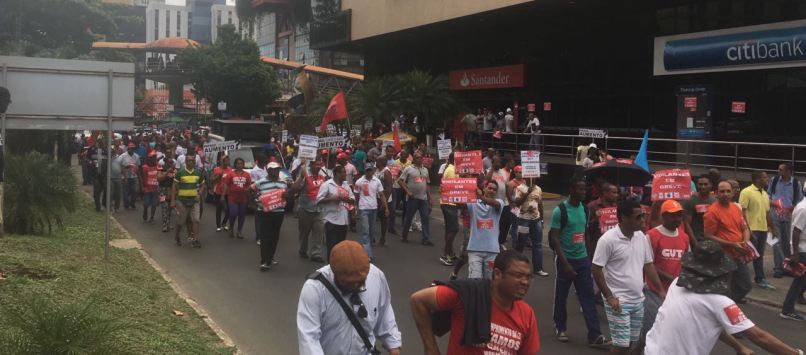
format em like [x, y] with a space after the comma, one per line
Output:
[273, 193]
[529, 203]
[601, 215]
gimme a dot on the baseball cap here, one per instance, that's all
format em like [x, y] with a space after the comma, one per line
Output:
[131, 145]
[592, 145]
[670, 206]
[152, 153]
[518, 168]
[273, 165]
[339, 150]
[341, 156]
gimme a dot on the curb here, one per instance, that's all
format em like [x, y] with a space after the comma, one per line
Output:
[222, 335]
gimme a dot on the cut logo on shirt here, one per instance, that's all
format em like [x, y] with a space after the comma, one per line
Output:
[578, 238]
[735, 314]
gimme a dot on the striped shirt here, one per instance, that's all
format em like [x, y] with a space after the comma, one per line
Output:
[264, 186]
[188, 183]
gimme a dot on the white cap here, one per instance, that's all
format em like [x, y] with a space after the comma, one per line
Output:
[509, 110]
[273, 165]
[592, 145]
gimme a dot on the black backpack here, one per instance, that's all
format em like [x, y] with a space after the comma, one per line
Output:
[564, 216]
[795, 184]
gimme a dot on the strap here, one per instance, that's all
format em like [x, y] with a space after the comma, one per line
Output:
[563, 215]
[347, 310]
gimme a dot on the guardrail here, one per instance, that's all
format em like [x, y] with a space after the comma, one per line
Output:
[738, 156]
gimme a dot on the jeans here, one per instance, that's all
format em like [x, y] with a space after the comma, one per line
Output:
[310, 233]
[366, 220]
[480, 264]
[129, 192]
[535, 234]
[740, 284]
[117, 192]
[99, 192]
[583, 283]
[412, 206]
[797, 287]
[237, 210]
[534, 141]
[782, 249]
[504, 223]
[398, 196]
[334, 234]
[221, 206]
[270, 223]
[760, 242]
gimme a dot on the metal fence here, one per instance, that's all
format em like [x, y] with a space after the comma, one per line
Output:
[738, 156]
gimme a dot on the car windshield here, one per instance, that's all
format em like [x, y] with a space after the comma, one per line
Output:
[245, 154]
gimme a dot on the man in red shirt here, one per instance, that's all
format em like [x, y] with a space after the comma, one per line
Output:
[512, 322]
[149, 184]
[669, 242]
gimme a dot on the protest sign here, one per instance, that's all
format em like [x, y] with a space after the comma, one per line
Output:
[215, 147]
[331, 142]
[284, 136]
[311, 141]
[444, 148]
[608, 218]
[592, 132]
[468, 162]
[530, 163]
[671, 184]
[458, 190]
[307, 152]
[273, 199]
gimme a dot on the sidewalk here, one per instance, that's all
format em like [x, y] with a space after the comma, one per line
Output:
[773, 298]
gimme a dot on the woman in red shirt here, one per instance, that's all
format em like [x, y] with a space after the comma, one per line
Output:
[236, 184]
[219, 173]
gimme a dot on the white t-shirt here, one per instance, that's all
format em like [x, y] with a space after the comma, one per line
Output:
[690, 323]
[534, 125]
[368, 192]
[799, 221]
[509, 120]
[623, 262]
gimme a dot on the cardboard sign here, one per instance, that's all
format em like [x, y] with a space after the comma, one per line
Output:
[592, 132]
[273, 199]
[215, 147]
[458, 190]
[671, 184]
[608, 218]
[444, 148]
[306, 152]
[468, 162]
[738, 107]
[331, 142]
[530, 162]
[547, 106]
[308, 140]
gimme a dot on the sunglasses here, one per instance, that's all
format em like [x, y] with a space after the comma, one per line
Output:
[355, 300]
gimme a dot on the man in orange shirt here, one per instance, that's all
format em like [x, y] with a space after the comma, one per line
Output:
[723, 223]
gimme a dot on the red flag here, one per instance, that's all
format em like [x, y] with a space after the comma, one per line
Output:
[336, 110]
[396, 137]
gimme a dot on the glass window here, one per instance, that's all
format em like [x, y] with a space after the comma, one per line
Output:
[167, 23]
[178, 24]
[218, 18]
[156, 24]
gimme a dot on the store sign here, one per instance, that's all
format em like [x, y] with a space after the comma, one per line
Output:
[510, 76]
[738, 107]
[531, 107]
[743, 48]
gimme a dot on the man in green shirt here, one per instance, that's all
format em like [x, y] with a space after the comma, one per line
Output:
[567, 239]
[188, 186]
[696, 206]
[360, 158]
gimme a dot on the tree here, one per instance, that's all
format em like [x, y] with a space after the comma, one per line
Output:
[231, 70]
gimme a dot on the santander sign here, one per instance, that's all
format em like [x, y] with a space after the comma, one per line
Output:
[510, 76]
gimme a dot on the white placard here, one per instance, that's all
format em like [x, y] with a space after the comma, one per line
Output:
[331, 142]
[284, 136]
[592, 132]
[444, 148]
[530, 163]
[215, 147]
[308, 140]
[307, 152]
[222, 106]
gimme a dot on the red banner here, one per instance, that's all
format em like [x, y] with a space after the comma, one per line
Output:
[671, 184]
[273, 199]
[738, 107]
[458, 190]
[531, 107]
[547, 106]
[510, 76]
[608, 218]
[468, 162]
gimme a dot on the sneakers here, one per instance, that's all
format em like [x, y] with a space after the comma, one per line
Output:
[195, 244]
[446, 260]
[427, 243]
[226, 227]
[599, 342]
[561, 336]
[792, 316]
[541, 273]
[265, 267]
[218, 229]
[765, 285]
[778, 274]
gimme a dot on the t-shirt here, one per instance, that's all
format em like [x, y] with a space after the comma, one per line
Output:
[396, 167]
[310, 188]
[416, 180]
[484, 227]
[696, 207]
[351, 171]
[572, 238]
[799, 222]
[151, 183]
[188, 183]
[334, 212]
[530, 208]
[668, 248]
[359, 159]
[623, 261]
[487, 163]
[237, 184]
[217, 187]
[509, 122]
[724, 223]
[501, 177]
[513, 331]
[368, 192]
[756, 202]
[690, 323]
[129, 164]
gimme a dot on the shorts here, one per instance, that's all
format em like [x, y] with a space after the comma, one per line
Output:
[625, 326]
[151, 199]
[451, 216]
[186, 210]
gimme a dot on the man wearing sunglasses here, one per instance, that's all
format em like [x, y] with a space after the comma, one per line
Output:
[323, 324]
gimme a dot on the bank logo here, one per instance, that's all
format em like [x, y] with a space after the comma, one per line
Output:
[465, 81]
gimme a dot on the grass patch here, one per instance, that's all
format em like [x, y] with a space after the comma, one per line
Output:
[68, 267]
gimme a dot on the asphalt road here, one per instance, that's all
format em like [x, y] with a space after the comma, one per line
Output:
[257, 309]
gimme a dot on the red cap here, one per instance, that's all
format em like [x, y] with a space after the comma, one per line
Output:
[518, 168]
[670, 206]
[341, 156]
[131, 145]
[152, 153]
[348, 151]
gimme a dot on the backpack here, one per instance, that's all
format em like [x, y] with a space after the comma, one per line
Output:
[795, 184]
[564, 215]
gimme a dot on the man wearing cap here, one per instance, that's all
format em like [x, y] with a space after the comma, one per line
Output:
[129, 162]
[149, 184]
[272, 196]
[311, 225]
[669, 243]
[336, 201]
[323, 327]
[368, 191]
[509, 121]
[697, 311]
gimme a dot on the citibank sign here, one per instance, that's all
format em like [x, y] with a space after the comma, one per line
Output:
[509, 76]
[744, 48]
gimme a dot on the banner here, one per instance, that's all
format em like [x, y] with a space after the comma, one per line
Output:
[671, 184]
[468, 162]
[311, 141]
[608, 218]
[307, 152]
[530, 163]
[215, 147]
[273, 199]
[458, 190]
[592, 132]
[444, 148]
[331, 142]
[509, 76]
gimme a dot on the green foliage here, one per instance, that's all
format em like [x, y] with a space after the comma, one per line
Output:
[41, 326]
[231, 70]
[38, 192]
